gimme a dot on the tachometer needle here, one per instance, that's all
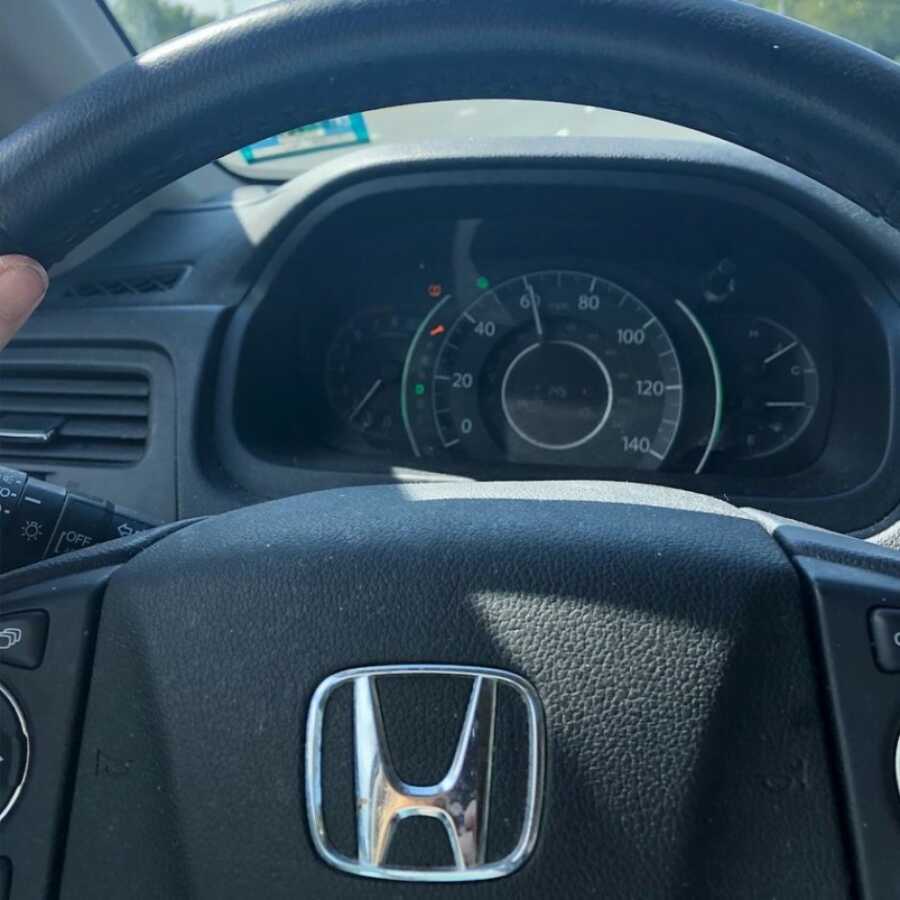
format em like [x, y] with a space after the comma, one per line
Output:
[370, 393]
[538, 325]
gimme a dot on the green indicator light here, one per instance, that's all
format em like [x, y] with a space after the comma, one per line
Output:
[420, 390]
[482, 283]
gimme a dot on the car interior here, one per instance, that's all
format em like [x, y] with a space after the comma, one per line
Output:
[457, 452]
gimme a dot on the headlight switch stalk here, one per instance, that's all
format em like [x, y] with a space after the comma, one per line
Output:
[39, 520]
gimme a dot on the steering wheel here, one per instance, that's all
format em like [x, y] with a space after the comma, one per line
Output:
[630, 677]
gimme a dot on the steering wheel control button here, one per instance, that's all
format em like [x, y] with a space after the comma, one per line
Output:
[83, 523]
[472, 699]
[28, 533]
[14, 752]
[885, 624]
[23, 637]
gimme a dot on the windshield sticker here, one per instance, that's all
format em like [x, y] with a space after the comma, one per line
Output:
[344, 131]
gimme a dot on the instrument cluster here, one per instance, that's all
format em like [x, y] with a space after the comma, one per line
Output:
[546, 323]
[578, 361]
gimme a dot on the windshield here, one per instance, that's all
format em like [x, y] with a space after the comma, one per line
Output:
[145, 23]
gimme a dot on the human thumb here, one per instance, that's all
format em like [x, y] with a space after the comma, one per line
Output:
[23, 283]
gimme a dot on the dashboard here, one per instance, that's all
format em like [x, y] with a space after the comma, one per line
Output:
[667, 313]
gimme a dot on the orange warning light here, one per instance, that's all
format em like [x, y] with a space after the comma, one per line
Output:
[438, 329]
[435, 290]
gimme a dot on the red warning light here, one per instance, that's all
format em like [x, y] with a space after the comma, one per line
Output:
[435, 290]
[438, 329]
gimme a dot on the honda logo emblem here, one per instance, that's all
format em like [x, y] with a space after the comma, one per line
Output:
[460, 801]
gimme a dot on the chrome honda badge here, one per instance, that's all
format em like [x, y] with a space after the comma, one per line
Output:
[460, 801]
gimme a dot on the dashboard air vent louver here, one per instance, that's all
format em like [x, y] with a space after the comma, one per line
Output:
[74, 416]
[148, 281]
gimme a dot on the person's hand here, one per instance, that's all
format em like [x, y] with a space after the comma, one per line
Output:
[23, 283]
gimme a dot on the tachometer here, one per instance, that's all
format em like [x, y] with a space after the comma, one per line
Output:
[553, 367]
[363, 370]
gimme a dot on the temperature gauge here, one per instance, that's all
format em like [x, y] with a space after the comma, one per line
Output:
[771, 386]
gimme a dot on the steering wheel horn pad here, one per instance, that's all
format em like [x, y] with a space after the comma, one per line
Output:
[663, 634]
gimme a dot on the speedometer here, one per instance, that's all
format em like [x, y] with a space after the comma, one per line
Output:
[553, 367]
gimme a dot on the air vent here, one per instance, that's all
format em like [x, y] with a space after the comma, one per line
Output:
[71, 416]
[147, 281]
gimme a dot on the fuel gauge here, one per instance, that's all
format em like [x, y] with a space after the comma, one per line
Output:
[771, 386]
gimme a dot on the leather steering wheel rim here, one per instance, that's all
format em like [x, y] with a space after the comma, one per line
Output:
[815, 102]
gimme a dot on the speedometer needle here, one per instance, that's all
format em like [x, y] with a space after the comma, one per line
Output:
[370, 393]
[538, 325]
